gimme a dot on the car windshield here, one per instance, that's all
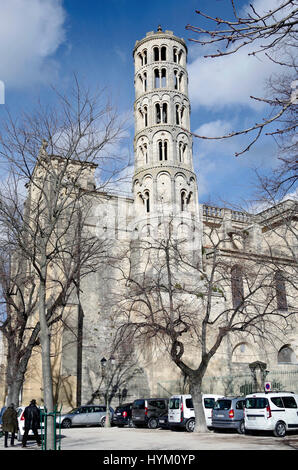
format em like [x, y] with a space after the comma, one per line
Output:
[222, 405]
[257, 403]
[75, 410]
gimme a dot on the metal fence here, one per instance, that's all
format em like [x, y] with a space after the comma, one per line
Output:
[242, 384]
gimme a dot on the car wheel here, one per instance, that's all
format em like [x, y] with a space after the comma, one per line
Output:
[103, 422]
[190, 425]
[66, 423]
[241, 428]
[152, 423]
[280, 429]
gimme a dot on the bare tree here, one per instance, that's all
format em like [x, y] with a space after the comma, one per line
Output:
[117, 372]
[55, 152]
[189, 308]
[273, 33]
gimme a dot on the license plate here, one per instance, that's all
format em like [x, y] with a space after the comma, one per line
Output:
[251, 417]
[118, 414]
[220, 416]
[137, 417]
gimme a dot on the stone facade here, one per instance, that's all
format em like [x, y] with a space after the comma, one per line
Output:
[164, 189]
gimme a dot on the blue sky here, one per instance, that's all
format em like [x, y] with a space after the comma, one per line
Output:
[43, 42]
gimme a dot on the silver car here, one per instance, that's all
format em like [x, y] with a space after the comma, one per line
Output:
[85, 415]
[228, 413]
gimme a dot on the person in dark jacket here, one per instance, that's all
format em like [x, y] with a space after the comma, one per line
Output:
[10, 424]
[32, 421]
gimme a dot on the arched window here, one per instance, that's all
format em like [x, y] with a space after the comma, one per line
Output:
[145, 57]
[163, 150]
[156, 54]
[163, 78]
[147, 201]
[143, 153]
[145, 82]
[286, 355]
[163, 53]
[280, 288]
[177, 55]
[237, 286]
[179, 114]
[183, 200]
[164, 113]
[160, 78]
[182, 151]
[161, 113]
[145, 116]
[157, 113]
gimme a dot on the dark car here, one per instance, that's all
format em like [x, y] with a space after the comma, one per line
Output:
[228, 413]
[122, 415]
[163, 421]
[146, 411]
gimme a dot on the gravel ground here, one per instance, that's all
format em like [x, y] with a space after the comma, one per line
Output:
[125, 439]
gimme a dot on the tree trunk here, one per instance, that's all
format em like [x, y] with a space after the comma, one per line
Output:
[196, 393]
[46, 364]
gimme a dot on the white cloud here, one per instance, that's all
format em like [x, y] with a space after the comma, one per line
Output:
[232, 79]
[31, 31]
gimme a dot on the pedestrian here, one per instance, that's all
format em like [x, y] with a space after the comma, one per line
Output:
[9, 424]
[32, 421]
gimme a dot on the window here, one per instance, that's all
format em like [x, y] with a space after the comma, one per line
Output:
[177, 55]
[222, 404]
[209, 403]
[145, 116]
[163, 150]
[147, 201]
[163, 53]
[286, 355]
[277, 401]
[182, 151]
[183, 200]
[289, 402]
[237, 286]
[280, 287]
[256, 403]
[139, 405]
[240, 405]
[188, 403]
[161, 113]
[160, 78]
[156, 54]
[174, 404]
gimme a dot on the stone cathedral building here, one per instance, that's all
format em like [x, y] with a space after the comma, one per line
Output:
[164, 185]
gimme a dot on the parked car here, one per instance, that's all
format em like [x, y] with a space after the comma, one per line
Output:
[163, 420]
[228, 413]
[85, 415]
[122, 415]
[146, 411]
[21, 424]
[271, 411]
[182, 413]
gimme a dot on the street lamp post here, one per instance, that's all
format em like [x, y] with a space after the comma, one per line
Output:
[107, 371]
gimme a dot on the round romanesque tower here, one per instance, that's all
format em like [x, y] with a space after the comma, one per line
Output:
[164, 182]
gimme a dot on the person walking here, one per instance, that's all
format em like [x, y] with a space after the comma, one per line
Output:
[9, 424]
[32, 421]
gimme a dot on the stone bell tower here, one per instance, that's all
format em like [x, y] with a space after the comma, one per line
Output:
[164, 182]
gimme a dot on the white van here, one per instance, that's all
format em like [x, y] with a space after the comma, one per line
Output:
[271, 411]
[182, 414]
